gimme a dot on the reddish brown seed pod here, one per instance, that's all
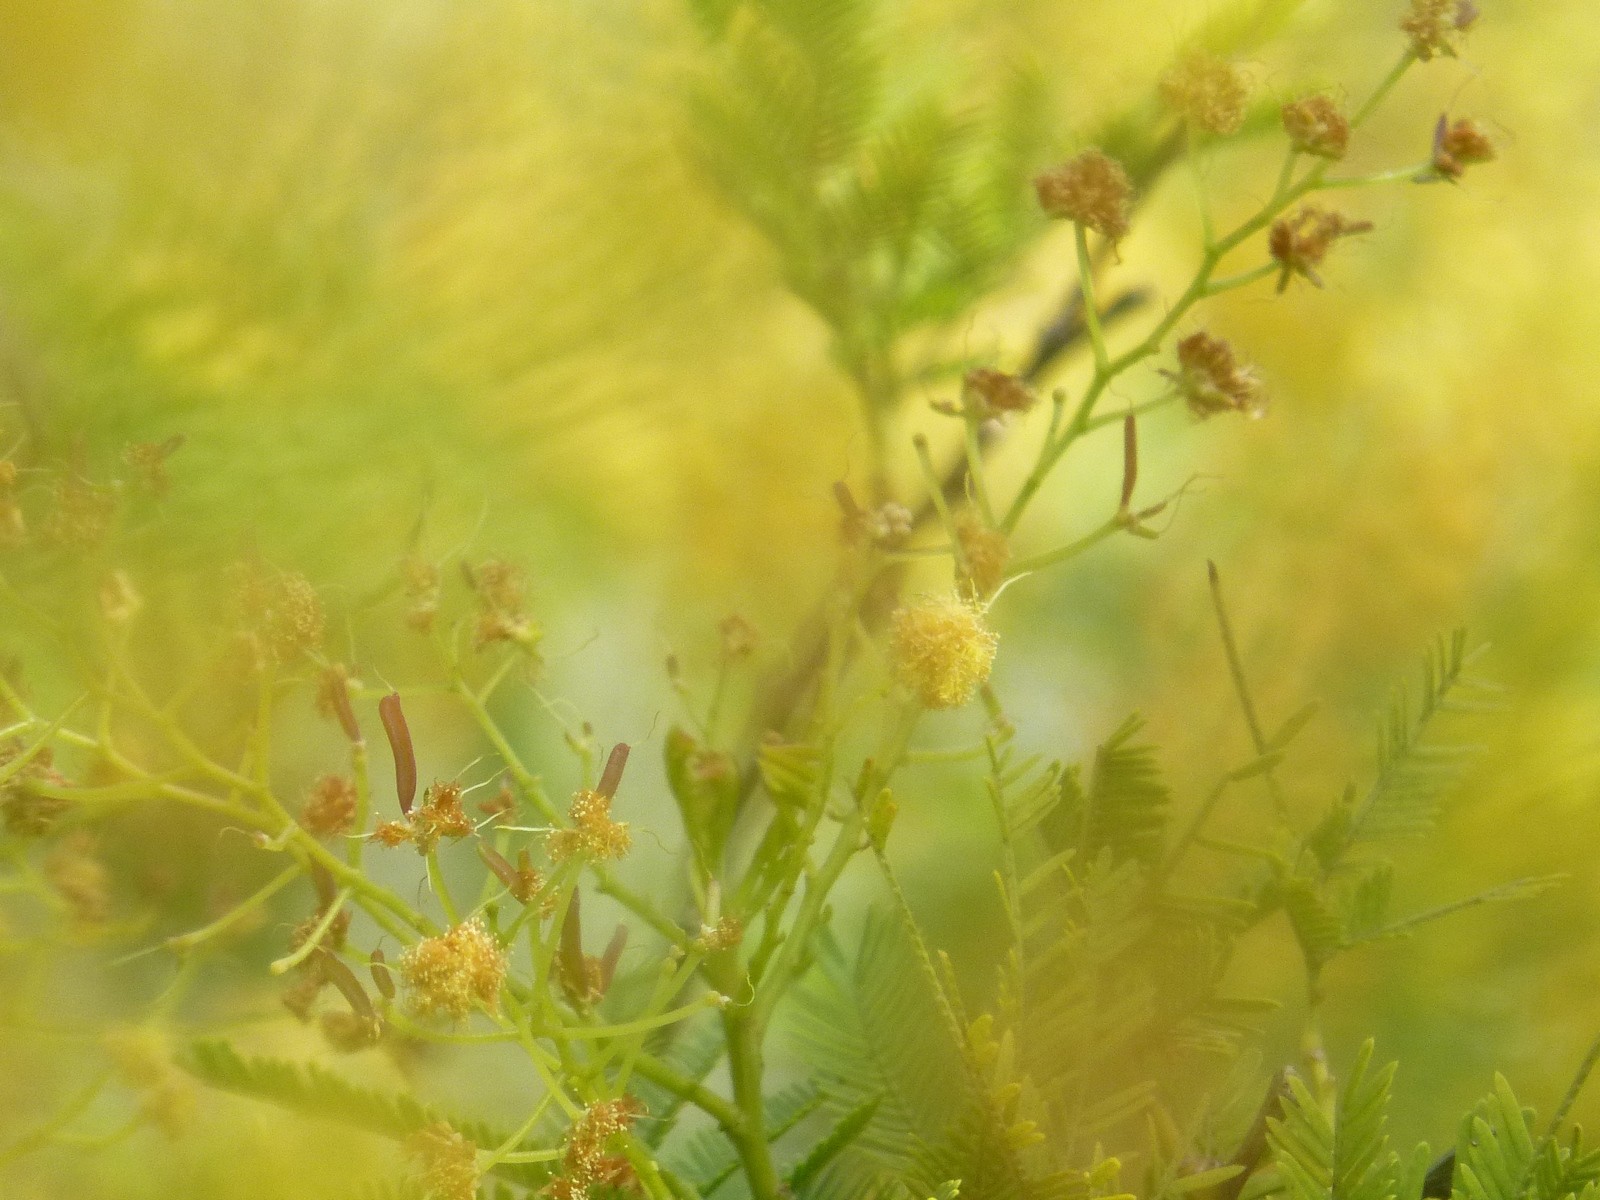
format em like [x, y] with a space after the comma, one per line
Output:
[339, 697]
[1130, 458]
[405, 758]
[343, 978]
[381, 975]
[496, 862]
[571, 950]
[612, 775]
[612, 956]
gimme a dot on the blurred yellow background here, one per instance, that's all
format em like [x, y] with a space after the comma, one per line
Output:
[387, 260]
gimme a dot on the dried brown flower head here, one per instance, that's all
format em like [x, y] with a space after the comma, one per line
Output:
[1208, 92]
[986, 392]
[448, 974]
[1212, 380]
[330, 807]
[1458, 145]
[941, 650]
[1092, 190]
[501, 616]
[421, 582]
[449, 1162]
[27, 813]
[1436, 26]
[439, 816]
[1300, 242]
[333, 938]
[1317, 125]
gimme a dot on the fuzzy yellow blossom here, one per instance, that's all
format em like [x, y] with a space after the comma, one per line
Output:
[1092, 190]
[448, 974]
[941, 650]
[588, 1165]
[1208, 92]
[594, 835]
[449, 1162]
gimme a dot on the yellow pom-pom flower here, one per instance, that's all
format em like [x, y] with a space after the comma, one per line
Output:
[941, 650]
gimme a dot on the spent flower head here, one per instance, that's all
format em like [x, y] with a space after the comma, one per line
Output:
[1436, 26]
[1458, 145]
[1301, 241]
[330, 807]
[941, 650]
[1209, 92]
[1316, 125]
[1212, 380]
[1092, 190]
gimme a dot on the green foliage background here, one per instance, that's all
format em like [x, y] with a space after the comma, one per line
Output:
[384, 262]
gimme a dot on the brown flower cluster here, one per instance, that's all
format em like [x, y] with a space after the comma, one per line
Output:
[1436, 26]
[1208, 92]
[421, 582]
[1212, 380]
[449, 1162]
[27, 813]
[593, 835]
[941, 650]
[522, 881]
[448, 974]
[987, 393]
[586, 1163]
[1458, 145]
[1317, 125]
[1092, 190]
[1300, 242]
[501, 615]
[330, 807]
[440, 815]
